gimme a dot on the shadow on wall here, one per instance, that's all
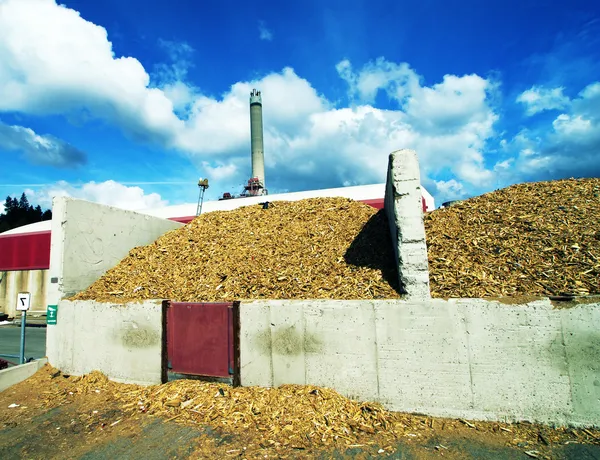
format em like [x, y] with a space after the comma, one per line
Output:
[373, 248]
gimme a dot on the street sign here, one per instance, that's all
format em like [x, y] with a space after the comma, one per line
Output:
[23, 301]
[52, 314]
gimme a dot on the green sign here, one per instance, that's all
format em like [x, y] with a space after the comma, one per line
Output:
[52, 314]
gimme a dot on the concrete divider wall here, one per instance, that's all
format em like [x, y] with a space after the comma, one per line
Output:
[89, 238]
[459, 358]
[122, 341]
[405, 216]
[16, 374]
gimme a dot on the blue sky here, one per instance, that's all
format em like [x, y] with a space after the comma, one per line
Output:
[129, 103]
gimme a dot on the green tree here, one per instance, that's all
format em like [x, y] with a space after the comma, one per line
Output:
[18, 212]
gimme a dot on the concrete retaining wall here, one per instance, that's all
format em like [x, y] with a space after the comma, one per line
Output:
[16, 374]
[89, 238]
[460, 358]
[13, 282]
[122, 341]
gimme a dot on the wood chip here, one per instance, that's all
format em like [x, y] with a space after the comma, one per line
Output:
[333, 248]
[531, 239]
[469, 424]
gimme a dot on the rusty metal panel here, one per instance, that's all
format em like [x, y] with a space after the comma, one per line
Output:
[200, 338]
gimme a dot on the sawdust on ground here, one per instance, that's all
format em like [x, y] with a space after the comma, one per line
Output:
[284, 422]
[534, 239]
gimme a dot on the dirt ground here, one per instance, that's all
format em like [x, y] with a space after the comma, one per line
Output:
[55, 416]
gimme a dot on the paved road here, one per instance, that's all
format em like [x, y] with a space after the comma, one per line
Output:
[35, 341]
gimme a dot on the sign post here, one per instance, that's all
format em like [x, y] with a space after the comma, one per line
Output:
[23, 303]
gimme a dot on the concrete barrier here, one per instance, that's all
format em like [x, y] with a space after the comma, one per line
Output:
[16, 374]
[89, 238]
[464, 358]
[124, 342]
[404, 211]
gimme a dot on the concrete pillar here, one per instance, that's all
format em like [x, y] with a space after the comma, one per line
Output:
[404, 210]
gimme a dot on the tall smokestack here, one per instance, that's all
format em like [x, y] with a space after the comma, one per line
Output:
[256, 137]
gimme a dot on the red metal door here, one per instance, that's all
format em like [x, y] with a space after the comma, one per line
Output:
[201, 338]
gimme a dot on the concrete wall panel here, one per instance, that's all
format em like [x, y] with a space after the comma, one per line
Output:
[255, 345]
[121, 341]
[581, 336]
[340, 348]
[465, 358]
[423, 357]
[89, 238]
[404, 210]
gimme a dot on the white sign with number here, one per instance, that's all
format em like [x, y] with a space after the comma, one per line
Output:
[23, 301]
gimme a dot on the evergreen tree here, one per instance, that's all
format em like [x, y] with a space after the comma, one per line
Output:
[37, 213]
[24, 202]
[18, 212]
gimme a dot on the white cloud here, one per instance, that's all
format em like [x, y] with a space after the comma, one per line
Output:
[452, 189]
[537, 99]
[108, 192]
[220, 172]
[54, 62]
[40, 149]
[264, 33]
[308, 141]
[569, 146]
[398, 80]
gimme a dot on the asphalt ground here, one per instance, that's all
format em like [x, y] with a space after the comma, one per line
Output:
[10, 341]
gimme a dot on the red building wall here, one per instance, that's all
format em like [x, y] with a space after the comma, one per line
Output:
[28, 251]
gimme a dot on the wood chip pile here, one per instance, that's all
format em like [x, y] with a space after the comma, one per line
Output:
[525, 240]
[332, 248]
[528, 239]
[280, 421]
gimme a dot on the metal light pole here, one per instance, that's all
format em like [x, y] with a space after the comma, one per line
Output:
[202, 185]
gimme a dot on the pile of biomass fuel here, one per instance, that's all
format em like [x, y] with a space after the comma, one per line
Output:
[528, 239]
[332, 248]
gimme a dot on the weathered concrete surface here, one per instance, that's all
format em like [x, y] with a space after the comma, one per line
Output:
[459, 358]
[404, 211]
[124, 342]
[89, 238]
[13, 282]
[16, 374]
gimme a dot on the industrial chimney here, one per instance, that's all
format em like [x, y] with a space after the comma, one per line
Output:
[256, 139]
